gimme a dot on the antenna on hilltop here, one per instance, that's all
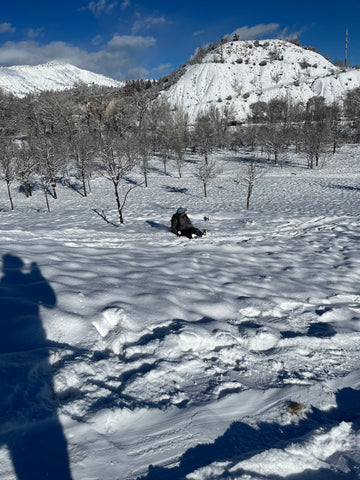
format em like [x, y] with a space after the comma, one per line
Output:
[346, 47]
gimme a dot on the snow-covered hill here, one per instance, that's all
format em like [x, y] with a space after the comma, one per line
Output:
[234, 75]
[240, 73]
[25, 79]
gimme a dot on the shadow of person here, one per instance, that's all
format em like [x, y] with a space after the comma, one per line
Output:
[242, 441]
[29, 425]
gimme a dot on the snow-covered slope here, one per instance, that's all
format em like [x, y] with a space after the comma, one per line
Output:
[127, 352]
[25, 79]
[241, 73]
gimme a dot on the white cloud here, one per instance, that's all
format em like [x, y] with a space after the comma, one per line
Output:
[116, 59]
[144, 24]
[285, 34]
[97, 40]
[198, 32]
[31, 53]
[265, 29]
[99, 7]
[131, 41]
[137, 72]
[257, 31]
[35, 32]
[6, 27]
[164, 67]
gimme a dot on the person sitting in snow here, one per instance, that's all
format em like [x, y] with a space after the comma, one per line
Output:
[181, 225]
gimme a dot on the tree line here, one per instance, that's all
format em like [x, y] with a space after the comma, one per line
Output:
[87, 131]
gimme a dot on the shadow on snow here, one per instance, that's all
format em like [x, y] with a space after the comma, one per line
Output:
[242, 441]
[29, 425]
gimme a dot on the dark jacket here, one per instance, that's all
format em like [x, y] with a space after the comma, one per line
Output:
[180, 222]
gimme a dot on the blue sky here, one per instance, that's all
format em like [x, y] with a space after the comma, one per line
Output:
[131, 39]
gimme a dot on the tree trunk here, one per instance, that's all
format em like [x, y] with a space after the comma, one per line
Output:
[118, 203]
[26, 189]
[83, 182]
[9, 193]
[53, 186]
[317, 160]
[179, 165]
[250, 187]
[46, 199]
[145, 176]
[205, 191]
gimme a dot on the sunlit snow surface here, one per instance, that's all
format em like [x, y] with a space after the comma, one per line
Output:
[21, 80]
[174, 358]
[239, 74]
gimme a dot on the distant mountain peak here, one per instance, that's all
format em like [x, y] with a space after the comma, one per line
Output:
[21, 80]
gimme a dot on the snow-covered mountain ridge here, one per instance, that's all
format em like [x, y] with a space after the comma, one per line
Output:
[240, 73]
[25, 79]
[234, 75]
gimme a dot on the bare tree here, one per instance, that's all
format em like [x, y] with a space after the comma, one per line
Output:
[250, 137]
[47, 114]
[273, 139]
[204, 135]
[179, 137]
[278, 111]
[7, 165]
[50, 158]
[116, 161]
[160, 128]
[49, 126]
[10, 114]
[141, 102]
[220, 119]
[316, 109]
[253, 171]
[258, 111]
[337, 128]
[205, 172]
[82, 149]
[143, 149]
[44, 165]
[25, 166]
[316, 140]
[352, 104]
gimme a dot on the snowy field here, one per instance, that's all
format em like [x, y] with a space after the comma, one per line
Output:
[129, 353]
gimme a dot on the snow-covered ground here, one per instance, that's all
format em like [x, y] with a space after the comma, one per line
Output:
[128, 353]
